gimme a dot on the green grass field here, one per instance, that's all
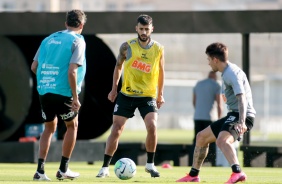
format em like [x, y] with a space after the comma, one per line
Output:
[23, 173]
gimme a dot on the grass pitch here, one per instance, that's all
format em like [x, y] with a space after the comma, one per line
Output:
[23, 173]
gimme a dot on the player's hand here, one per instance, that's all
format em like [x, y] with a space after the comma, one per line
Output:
[241, 128]
[160, 101]
[112, 96]
[76, 105]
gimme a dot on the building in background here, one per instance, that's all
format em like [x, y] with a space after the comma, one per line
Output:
[137, 5]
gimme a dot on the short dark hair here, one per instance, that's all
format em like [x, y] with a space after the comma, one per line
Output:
[217, 50]
[75, 17]
[144, 19]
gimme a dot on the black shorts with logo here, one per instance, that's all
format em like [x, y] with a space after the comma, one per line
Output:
[56, 105]
[227, 123]
[125, 105]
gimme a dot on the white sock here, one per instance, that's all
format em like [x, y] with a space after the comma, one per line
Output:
[149, 165]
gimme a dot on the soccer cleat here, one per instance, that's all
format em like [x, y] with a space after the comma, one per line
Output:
[67, 175]
[40, 177]
[189, 178]
[236, 177]
[153, 171]
[104, 172]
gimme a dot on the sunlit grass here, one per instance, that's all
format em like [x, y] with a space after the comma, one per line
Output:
[23, 173]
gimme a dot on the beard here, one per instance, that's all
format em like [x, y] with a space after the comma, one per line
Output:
[143, 39]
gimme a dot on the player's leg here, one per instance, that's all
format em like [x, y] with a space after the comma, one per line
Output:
[122, 111]
[67, 148]
[203, 139]
[45, 138]
[225, 140]
[50, 125]
[151, 127]
[151, 142]
[71, 122]
[148, 109]
[112, 144]
[116, 131]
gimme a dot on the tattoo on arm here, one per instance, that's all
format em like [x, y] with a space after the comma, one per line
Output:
[242, 106]
[122, 53]
[200, 153]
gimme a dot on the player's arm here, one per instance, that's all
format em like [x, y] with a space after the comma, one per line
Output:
[218, 99]
[194, 100]
[118, 70]
[160, 98]
[72, 76]
[242, 106]
[77, 59]
[34, 66]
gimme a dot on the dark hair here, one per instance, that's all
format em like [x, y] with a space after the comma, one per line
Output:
[75, 18]
[217, 50]
[144, 19]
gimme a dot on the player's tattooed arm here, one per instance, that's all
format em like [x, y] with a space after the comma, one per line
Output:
[242, 106]
[122, 54]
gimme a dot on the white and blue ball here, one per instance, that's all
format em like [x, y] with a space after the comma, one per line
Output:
[125, 168]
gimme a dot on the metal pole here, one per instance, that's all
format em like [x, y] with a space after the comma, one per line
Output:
[246, 69]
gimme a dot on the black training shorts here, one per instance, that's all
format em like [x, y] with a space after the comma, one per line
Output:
[56, 105]
[125, 105]
[227, 123]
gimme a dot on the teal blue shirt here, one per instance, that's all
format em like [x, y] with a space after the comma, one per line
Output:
[54, 56]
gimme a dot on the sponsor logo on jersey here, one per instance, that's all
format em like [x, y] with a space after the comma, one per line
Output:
[139, 65]
[53, 41]
[144, 56]
[128, 89]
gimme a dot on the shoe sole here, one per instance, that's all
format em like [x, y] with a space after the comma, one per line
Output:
[102, 176]
[40, 180]
[69, 178]
[153, 175]
[66, 178]
[241, 179]
[194, 180]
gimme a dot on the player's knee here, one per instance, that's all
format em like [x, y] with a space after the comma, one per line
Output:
[200, 139]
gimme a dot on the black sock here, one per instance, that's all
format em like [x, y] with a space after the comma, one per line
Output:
[64, 164]
[236, 168]
[150, 157]
[40, 166]
[194, 172]
[107, 160]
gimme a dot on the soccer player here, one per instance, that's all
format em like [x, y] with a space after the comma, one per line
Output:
[142, 61]
[60, 67]
[238, 120]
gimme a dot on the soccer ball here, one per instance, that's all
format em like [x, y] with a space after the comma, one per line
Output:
[125, 168]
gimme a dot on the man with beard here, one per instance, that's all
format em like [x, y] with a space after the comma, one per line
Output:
[142, 61]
